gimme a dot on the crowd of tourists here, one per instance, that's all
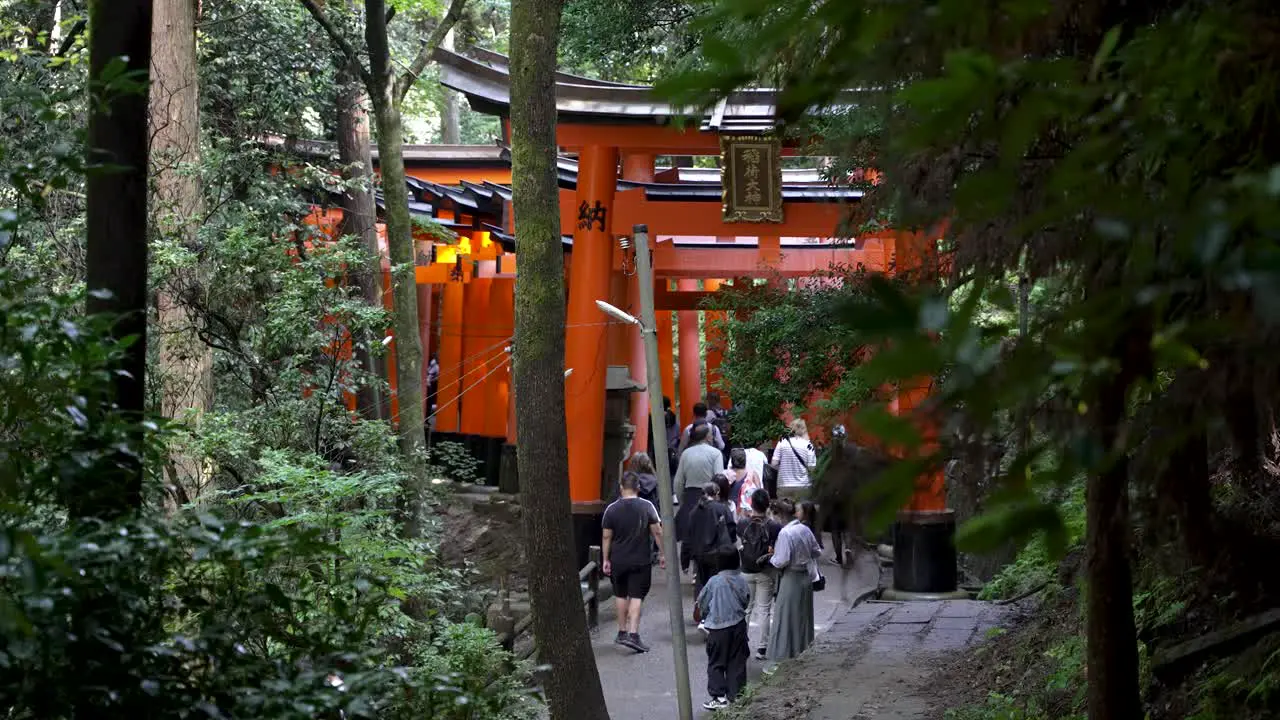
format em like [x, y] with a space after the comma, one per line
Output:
[746, 531]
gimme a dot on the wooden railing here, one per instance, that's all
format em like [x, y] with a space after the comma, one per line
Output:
[590, 574]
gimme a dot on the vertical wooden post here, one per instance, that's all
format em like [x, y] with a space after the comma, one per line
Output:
[593, 586]
[666, 500]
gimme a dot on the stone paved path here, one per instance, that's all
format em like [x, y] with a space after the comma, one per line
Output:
[873, 662]
[642, 687]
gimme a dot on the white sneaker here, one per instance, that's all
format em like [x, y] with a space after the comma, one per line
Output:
[716, 703]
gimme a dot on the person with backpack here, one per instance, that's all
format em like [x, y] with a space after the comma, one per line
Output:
[759, 536]
[742, 482]
[700, 418]
[631, 527]
[710, 527]
[718, 416]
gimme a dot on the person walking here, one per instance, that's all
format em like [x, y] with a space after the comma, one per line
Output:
[710, 527]
[723, 602]
[433, 382]
[743, 482]
[794, 458]
[700, 418]
[642, 466]
[666, 452]
[698, 466]
[795, 556]
[756, 460]
[759, 537]
[630, 529]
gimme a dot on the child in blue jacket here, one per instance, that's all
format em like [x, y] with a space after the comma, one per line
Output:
[723, 605]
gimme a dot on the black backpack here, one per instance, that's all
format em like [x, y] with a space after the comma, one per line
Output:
[755, 546]
[720, 421]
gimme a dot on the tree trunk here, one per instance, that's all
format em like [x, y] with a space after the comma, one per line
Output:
[408, 346]
[1112, 651]
[450, 120]
[559, 624]
[186, 363]
[39, 17]
[360, 218]
[116, 244]
[1182, 485]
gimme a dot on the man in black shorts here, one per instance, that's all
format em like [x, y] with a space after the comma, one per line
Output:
[631, 532]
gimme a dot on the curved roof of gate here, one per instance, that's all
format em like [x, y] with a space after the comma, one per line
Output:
[485, 78]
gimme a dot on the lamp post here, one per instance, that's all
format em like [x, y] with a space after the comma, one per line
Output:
[653, 385]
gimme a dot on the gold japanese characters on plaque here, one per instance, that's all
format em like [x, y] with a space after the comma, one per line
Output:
[751, 171]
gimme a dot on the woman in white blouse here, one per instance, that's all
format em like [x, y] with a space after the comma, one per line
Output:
[794, 458]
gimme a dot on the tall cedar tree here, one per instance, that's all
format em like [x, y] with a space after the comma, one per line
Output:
[116, 238]
[186, 363]
[559, 624]
[386, 93]
[359, 218]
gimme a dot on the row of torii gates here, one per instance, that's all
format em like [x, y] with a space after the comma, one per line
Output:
[611, 136]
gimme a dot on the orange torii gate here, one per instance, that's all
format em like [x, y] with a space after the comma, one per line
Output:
[617, 132]
[611, 136]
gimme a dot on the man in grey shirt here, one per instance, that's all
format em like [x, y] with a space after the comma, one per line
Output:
[699, 465]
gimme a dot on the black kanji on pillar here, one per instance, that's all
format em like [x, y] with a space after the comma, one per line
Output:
[589, 215]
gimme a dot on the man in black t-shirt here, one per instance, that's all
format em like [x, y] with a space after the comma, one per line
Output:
[631, 526]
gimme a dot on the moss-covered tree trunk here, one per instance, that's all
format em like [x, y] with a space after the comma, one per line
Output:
[559, 624]
[359, 218]
[404, 290]
[116, 242]
[186, 362]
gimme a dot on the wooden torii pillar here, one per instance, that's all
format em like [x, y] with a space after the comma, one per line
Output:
[690, 379]
[586, 349]
[925, 559]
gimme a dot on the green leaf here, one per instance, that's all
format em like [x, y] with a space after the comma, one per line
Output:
[1105, 50]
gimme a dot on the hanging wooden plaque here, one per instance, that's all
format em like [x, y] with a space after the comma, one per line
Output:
[751, 172]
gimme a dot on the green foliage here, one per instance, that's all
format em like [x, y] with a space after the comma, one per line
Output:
[1244, 686]
[1035, 564]
[483, 686]
[632, 41]
[283, 588]
[999, 707]
[200, 618]
[454, 461]
[786, 349]
[1102, 158]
